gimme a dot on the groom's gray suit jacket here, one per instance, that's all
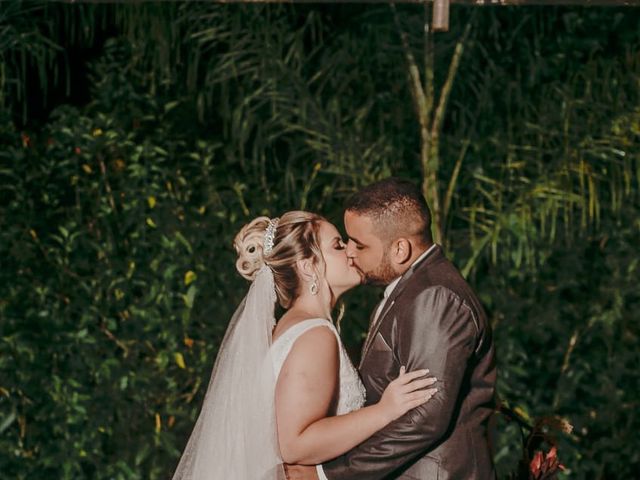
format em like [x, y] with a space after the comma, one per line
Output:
[433, 320]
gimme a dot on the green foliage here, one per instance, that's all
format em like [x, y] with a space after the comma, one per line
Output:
[117, 217]
[105, 249]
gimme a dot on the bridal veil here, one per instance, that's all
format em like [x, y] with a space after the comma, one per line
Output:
[235, 436]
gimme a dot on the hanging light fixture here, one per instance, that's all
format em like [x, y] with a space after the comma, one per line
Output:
[440, 22]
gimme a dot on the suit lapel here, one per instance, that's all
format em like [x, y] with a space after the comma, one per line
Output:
[375, 323]
[375, 326]
[372, 320]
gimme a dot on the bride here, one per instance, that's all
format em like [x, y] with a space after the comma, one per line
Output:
[287, 392]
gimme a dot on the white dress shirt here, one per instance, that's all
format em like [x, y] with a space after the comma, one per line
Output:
[394, 283]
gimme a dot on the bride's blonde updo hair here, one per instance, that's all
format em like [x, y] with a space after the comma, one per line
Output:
[296, 238]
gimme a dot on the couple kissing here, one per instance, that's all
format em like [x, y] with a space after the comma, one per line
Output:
[284, 399]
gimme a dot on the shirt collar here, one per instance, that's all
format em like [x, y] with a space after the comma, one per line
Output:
[394, 283]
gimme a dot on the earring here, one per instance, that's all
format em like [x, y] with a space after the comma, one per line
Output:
[313, 288]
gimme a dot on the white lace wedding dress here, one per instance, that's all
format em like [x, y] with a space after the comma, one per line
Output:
[235, 436]
[351, 395]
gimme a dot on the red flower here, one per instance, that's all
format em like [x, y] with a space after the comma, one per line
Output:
[551, 460]
[77, 150]
[535, 464]
[544, 466]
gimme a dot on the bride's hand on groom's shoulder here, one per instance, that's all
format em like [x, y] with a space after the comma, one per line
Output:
[407, 391]
[300, 472]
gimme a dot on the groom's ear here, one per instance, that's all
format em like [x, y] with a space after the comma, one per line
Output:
[401, 250]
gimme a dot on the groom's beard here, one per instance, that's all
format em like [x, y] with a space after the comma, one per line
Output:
[384, 273]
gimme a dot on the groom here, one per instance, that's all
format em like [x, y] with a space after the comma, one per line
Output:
[429, 318]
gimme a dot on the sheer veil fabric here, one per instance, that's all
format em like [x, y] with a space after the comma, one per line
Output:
[235, 436]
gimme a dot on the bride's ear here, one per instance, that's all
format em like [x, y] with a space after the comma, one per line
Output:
[305, 270]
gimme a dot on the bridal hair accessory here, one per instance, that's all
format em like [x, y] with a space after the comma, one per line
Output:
[270, 236]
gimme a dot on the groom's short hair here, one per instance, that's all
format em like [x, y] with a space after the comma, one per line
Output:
[397, 208]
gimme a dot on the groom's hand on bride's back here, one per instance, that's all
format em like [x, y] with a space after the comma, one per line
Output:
[300, 472]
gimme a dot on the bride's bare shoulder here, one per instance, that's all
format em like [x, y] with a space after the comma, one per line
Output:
[293, 325]
[315, 348]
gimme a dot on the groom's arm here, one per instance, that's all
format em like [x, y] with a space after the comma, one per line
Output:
[440, 334]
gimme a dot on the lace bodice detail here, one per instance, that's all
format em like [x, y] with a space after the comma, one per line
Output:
[351, 395]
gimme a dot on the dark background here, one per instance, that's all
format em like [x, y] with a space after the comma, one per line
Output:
[136, 139]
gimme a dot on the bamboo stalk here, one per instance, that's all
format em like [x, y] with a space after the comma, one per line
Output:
[417, 91]
[454, 178]
[565, 363]
[423, 102]
[451, 75]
